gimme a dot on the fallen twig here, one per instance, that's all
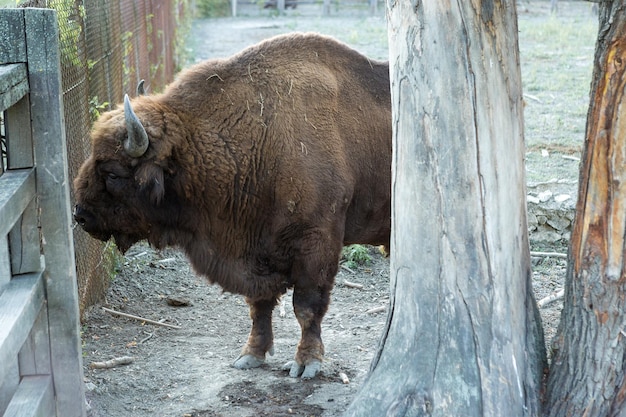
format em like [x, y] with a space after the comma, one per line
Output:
[352, 284]
[145, 339]
[551, 298]
[571, 158]
[348, 269]
[531, 97]
[162, 261]
[130, 316]
[124, 360]
[549, 254]
[376, 310]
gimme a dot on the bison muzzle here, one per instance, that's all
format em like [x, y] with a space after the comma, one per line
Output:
[260, 167]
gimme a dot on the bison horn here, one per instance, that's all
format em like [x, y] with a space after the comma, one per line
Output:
[140, 88]
[136, 143]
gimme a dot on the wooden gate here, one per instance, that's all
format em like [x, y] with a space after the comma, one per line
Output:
[40, 349]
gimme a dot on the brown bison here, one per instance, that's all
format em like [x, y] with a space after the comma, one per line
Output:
[260, 167]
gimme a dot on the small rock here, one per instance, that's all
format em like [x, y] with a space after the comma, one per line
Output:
[545, 196]
[561, 198]
[546, 236]
[532, 199]
[559, 223]
[178, 302]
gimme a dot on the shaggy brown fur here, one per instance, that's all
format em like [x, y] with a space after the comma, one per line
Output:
[260, 167]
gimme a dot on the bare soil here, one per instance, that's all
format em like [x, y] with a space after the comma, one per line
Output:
[187, 371]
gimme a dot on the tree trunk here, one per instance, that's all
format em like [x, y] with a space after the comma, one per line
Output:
[587, 376]
[463, 335]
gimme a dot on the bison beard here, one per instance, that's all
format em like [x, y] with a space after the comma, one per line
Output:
[260, 167]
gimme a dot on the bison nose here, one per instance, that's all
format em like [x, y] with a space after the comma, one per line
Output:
[81, 216]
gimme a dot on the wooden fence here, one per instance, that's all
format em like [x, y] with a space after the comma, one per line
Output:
[40, 349]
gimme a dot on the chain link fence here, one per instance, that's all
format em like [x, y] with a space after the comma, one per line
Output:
[107, 47]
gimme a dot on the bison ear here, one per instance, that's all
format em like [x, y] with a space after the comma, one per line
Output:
[149, 177]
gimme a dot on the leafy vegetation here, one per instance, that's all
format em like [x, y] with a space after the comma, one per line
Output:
[355, 255]
[213, 8]
[95, 107]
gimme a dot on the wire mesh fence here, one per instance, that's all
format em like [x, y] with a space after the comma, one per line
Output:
[106, 48]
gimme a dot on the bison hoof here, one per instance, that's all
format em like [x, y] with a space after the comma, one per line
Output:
[304, 371]
[247, 362]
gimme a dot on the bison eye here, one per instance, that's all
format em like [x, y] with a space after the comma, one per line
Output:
[112, 176]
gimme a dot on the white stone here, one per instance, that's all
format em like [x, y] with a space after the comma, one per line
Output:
[532, 199]
[545, 196]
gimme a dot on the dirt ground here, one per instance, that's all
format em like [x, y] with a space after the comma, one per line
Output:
[186, 371]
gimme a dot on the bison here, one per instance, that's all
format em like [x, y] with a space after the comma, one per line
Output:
[260, 167]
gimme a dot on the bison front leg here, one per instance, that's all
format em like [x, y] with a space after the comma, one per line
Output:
[261, 338]
[310, 305]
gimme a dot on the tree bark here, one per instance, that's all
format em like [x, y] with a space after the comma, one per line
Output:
[587, 375]
[463, 335]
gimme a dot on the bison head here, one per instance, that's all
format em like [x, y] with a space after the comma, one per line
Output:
[120, 186]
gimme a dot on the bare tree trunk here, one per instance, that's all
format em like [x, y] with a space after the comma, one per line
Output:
[463, 335]
[587, 376]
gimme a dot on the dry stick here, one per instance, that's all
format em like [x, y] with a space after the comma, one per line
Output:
[124, 360]
[532, 97]
[551, 298]
[352, 284]
[549, 254]
[376, 310]
[130, 316]
[347, 269]
[145, 339]
[571, 158]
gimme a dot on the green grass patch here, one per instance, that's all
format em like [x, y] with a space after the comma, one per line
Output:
[556, 57]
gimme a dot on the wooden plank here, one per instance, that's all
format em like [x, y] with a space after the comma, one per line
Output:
[49, 141]
[12, 36]
[24, 242]
[34, 357]
[34, 398]
[20, 304]
[5, 263]
[18, 135]
[13, 84]
[17, 189]
[9, 383]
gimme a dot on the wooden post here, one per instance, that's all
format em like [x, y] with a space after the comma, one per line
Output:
[48, 132]
[373, 7]
[326, 8]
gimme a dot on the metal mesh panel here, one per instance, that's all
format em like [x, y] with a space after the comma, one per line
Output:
[106, 48]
